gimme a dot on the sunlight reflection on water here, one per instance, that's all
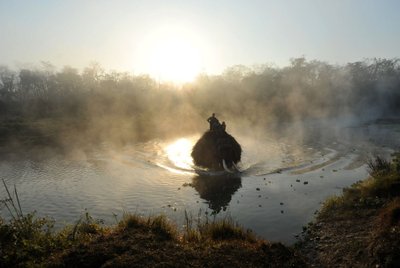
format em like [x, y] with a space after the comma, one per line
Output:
[179, 153]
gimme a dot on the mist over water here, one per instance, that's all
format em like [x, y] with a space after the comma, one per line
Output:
[96, 105]
[113, 142]
[281, 184]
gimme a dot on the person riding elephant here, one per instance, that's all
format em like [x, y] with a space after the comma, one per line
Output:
[223, 126]
[216, 149]
[214, 122]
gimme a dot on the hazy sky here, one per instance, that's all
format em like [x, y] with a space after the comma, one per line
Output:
[134, 35]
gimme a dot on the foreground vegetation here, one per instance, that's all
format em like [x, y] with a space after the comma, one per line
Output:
[360, 228]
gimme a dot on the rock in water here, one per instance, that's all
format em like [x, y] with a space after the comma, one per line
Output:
[214, 147]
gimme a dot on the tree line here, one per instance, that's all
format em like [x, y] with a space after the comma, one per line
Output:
[257, 95]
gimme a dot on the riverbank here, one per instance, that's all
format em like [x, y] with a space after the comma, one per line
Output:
[360, 228]
[138, 242]
[22, 134]
[153, 243]
[65, 133]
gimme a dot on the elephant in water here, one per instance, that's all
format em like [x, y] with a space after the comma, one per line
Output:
[214, 147]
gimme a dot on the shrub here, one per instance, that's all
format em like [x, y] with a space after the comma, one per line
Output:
[26, 240]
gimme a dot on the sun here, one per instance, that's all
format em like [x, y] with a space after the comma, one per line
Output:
[172, 53]
[176, 60]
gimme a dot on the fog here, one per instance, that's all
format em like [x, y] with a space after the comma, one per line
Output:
[94, 105]
[113, 142]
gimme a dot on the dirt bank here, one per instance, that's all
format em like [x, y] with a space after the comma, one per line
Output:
[360, 228]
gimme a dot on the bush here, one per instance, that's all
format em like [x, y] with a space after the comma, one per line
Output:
[27, 240]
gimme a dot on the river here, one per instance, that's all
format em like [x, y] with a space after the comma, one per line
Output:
[282, 182]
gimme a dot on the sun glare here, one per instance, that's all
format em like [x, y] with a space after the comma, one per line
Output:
[175, 60]
[179, 152]
[172, 54]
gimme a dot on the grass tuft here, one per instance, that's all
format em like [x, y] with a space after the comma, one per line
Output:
[131, 221]
[216, 230]
[226, 229]
[378, 166]
[158, 225]
[332, 202]
[162, 227]
[86, 227]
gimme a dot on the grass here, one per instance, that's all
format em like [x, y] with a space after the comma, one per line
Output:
[199, 230]
[207, 230]
[385, 243]
[24, 238]
[30, 241]
[383, 183]
[159, 225]
[226, 229]
[361, 227]
[379, 166]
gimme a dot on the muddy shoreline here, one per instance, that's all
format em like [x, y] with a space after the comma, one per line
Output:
[360, 228]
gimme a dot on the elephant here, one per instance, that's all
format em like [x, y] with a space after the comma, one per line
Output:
[213, 148]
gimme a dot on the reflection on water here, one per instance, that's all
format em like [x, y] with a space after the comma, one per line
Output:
[147, 179]
[217, 190]
[179, 153]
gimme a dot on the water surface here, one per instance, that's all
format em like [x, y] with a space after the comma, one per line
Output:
[282, 183]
